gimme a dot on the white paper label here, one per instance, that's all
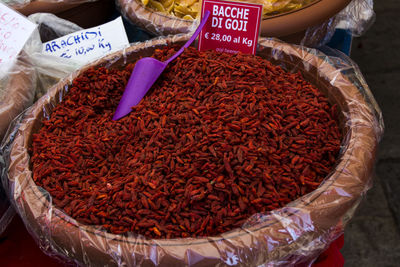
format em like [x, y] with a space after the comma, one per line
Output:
[15, 30]
[89, 44]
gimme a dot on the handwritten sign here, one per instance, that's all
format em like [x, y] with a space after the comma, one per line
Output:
[15, 30]
[89, 44]
[232, 27]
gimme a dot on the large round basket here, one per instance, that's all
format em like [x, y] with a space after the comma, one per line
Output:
[290, 26]
[296, 233]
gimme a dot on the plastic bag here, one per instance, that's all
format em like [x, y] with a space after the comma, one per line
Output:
[295, 234]
[17, 82]
[18, 85]
[356, 18]
[85, 13]
[33, 72]
[18, 4]
[49, 69]
[15, 2]
[293, 27]
[29, 78]
[16, 93]
[16, 90]
[7, 212]
[154, 22]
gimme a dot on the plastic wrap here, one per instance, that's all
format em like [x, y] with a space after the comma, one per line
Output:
[279, 25]
[18, 85]
[312, 25]
[152, 21]
[169, 17]
[295, 234]
[356, 18]
[50, 69]
[85, 13]
[29, 78]
[18, 4]
[16, 90]
[7, 212]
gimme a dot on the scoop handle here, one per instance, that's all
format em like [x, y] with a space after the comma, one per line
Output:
[190, 41]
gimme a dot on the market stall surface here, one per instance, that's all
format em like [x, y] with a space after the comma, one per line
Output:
[372, 238]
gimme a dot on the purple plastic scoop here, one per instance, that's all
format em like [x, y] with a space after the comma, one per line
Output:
[144, 75]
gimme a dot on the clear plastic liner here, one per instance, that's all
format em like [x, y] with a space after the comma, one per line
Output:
[18, 4]
[7, 212]
[50, 69]
[290, 236]
[16, 89]
[18, 85]
[152, 21]
[28, 78]
[357, 17]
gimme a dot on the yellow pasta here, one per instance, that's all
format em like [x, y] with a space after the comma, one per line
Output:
[190, 9]
[156, 5]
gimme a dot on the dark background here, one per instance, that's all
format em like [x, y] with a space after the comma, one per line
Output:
[372, 238]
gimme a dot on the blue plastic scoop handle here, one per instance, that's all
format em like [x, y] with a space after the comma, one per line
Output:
[144, 75]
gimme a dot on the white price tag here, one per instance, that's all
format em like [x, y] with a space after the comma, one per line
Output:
[15, 30]
[89, 44]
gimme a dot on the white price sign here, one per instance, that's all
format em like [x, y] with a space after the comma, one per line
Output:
[89, 44]
[15, 30]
